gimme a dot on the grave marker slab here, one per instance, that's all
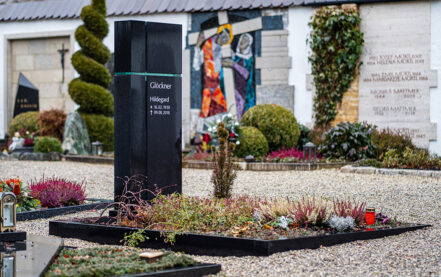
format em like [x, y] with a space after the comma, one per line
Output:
[27, 97]
[148, 105]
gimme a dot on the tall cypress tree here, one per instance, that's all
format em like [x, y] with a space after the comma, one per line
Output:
[90, 89]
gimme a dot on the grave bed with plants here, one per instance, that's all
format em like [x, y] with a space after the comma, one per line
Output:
[228, 225]
[232, 225]
[112, 261]
[50, 197]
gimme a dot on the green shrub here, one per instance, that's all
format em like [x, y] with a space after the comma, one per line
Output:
[52, 123]
[27, 121]
[350, 141]
[90, 89]
[386, 140]
[47, 145]
[100, 128]
[277, 124]
[411, 158]
[252, 142]
[370, 162]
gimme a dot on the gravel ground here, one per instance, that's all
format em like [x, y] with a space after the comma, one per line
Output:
[410, 199]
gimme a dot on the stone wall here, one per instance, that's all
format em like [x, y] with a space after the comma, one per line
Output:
[39, 61]
[348, 110]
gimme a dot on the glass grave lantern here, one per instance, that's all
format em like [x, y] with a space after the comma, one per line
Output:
[8, 212]
[97, 148]
[309, 152]
[7, 265]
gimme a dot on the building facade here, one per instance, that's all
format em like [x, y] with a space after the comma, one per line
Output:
[251, 52]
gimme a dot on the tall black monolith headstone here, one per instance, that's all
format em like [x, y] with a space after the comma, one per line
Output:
[27, 97]
[147, 90]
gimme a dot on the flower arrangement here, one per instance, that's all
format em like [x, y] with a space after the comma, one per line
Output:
[58, 192]
[25, 202]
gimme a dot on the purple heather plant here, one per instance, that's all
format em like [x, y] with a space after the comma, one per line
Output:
[58, 192]
[379, 217]
[344, 208]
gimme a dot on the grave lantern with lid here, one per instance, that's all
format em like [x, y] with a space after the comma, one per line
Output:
[8, 212]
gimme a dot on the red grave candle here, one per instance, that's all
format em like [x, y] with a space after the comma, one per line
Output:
[370, 216]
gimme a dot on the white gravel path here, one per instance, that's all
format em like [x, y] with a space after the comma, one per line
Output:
[411, 199]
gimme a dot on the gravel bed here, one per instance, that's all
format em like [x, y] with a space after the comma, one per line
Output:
[409, 198]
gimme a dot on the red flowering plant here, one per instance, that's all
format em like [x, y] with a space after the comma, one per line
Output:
[287, 155]
[25, 202]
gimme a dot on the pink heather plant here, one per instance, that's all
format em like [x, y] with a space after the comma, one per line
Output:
[311, 212]
[286, 153]
[344, 208]
[58, 192]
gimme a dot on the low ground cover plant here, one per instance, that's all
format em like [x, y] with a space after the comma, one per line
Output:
[411, 158]
[111, 261]
[57, 192]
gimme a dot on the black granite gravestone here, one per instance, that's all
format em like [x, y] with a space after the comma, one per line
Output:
[147, 90]
[27, 97]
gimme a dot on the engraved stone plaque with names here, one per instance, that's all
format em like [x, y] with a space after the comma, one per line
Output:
[395, 78]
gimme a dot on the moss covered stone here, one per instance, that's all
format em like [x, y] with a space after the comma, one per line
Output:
[252, 142]
[277, 124]
[27, 121]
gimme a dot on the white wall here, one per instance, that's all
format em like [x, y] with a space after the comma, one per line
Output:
[48, 26]
[298, 19]
[435, 60]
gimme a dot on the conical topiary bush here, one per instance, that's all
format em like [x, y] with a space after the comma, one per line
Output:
[90, 89]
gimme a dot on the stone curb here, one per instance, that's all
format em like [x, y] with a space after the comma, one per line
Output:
[391, 171]
[267, 166]
[208, 165]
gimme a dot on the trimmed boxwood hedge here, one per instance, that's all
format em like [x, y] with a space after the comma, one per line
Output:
[100, 128]
[252, 142]
[90, 89]
[27, 121]
[277, 124]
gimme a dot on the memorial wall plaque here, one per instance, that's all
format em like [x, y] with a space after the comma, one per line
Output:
[395, 78]
[27, 97]
[148, 100]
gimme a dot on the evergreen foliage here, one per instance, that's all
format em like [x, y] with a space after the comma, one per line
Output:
[27, 121]
[252, 142]
[336, 42]
[90, 89]
[277, 124]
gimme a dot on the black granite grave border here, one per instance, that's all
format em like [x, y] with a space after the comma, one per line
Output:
[12, 236]
[51, 212]
[190, 271]
[215, 245]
